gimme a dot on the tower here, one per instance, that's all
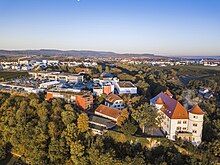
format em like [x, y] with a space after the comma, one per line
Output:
[196, 124]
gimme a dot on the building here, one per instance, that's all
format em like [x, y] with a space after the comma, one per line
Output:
[97, 89]
[102, 87]
[84, 100]
[114, 101]
[57, 76]
[67, 96]
[22, 88]
[177, 121]
[203, 91]
[125, 87]
[49, 84]
[102, 122]
[107, 112]
[108, 87]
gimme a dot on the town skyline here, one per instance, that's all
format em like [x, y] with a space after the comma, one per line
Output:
[157, 27]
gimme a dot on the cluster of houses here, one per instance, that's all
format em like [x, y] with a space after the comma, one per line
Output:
[27, 64]
[162, 62]
[178, 122]
[205, 93]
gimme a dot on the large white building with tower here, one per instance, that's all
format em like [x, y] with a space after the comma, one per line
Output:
[177, 122]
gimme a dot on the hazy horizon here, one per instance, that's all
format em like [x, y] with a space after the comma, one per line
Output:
[169, 28]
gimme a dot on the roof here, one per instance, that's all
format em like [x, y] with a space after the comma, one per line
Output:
[113, 97]
[50, 83]
[172, 108]
[101, 121]
[197, 110]
[168, 93]
[126, 84]
[107, 111]
[159, 101]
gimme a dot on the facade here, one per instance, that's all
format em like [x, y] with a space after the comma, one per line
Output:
[57, 76]
[68, 96]
[102, 87]
[114, 101]
[107, 112]
[125, 87]
[84, 100]
[20, 88]
[177, 121]
[97, 89]
[49, 84]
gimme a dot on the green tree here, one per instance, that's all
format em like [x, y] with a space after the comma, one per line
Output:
[83, 122]
[146, 116]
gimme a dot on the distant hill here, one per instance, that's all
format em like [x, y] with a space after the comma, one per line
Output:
[76, 53]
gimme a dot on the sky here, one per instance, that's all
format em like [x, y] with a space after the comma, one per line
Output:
[162, 27]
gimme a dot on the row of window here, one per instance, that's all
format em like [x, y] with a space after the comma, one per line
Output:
[179, 122]
[184, 129]
[184, 122]
[179, 128]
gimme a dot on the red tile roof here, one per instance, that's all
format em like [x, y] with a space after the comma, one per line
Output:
[197, 110]
[111, 112]
[172, 108]
[179, 112]
[113, 97]
[159, 101]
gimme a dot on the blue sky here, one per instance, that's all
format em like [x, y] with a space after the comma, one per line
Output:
[165, 27]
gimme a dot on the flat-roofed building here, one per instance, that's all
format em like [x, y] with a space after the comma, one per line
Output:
[52, 76]
[125, 87]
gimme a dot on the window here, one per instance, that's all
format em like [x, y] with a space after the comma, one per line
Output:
[195, 125]
[194, 131]
[179, 122]
[184, 128]
[178, 128]
[195, 117]
[184, 122]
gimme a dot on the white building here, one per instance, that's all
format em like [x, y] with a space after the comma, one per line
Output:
[125, 87]
[49, 84]
[114, 101]
[102, 87]
[177, 121]
[57, 76]
[20, 88]
[203, 91]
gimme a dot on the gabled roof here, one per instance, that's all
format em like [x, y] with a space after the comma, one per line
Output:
[113, 97]
[168, 93]
[172, 108]
[197, 110]
[107, 111]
